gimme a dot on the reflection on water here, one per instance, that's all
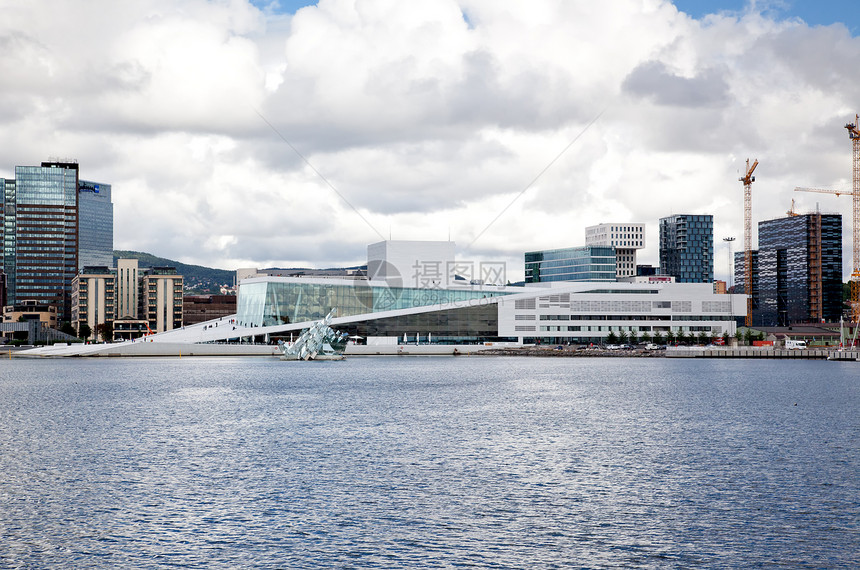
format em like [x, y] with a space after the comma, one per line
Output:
[417, 462]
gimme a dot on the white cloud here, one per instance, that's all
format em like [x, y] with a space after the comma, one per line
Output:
[425, 117]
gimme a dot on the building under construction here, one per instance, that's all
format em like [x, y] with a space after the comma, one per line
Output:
[797, 270]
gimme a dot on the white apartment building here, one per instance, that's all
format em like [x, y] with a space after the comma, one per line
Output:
[625, 237]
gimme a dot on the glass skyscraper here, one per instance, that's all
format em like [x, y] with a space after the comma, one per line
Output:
[587, 263]
[43, 234]
[797, 270]
[687, 247]
[95, 225]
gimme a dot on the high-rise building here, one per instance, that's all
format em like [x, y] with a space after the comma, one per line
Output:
[95, 224]
[797, 270]
[43, 233]
[2, 289]
[687, 247]
[626, 238]
[161, 298]
[586, 263]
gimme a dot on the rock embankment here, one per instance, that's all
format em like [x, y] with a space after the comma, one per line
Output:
[570, 351]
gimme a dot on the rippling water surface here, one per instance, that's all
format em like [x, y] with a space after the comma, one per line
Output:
[429, 462]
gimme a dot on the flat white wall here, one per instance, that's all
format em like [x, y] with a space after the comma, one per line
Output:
[520, 315]
[413, 263]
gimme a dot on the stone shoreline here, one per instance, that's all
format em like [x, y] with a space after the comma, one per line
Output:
[570, 352]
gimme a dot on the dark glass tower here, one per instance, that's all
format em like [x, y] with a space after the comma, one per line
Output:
[43, 234]
[687, 248]
[95, 225]
[798, 274]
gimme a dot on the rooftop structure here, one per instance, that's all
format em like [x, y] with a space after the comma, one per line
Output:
[412, 263]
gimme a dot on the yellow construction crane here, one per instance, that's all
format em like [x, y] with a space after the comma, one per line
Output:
[748, 179]
[854, 135]
[791, 212]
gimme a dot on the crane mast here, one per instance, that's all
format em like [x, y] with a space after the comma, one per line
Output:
[854, 283]
[748, 179]
[854, 135]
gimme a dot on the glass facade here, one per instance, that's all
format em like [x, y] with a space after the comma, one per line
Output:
[797, 273]
[95, 224]
[53, 225]
[8, 235]
[45, 254]
[588, 263]
[687, 248]
[469, 324]
[276, 302]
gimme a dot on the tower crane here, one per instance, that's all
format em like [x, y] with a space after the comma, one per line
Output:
[748, 179]
[854, 135]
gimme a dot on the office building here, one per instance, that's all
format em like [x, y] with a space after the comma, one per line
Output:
[626, 238]
[95, 224]
[161, 298]
[687, 247]
[585, 263]
[797, 270]
[2, 289]
[42, 232]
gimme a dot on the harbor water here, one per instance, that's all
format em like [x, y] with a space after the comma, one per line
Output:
[423, 462]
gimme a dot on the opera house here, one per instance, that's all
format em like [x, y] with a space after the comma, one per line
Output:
[443, 301]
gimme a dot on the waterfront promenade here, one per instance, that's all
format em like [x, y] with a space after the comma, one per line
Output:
[179, 349]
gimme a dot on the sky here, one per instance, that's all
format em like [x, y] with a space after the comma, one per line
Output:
[284, 134]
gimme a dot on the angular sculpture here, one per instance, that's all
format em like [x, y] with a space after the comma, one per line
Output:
[320, 342]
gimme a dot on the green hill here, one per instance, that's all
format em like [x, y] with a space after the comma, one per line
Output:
[196, 278]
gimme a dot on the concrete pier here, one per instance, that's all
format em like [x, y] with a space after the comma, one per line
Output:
[752, 352]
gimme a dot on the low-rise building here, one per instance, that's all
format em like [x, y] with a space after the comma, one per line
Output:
[200, 308]
[30, 311]
[585, 263]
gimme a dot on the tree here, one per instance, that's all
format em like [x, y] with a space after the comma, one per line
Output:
[670, 337]
[748, 336]
[726, 338]
[68, 329]
[622, 337]
[84, 331]
[658, 338]
[682, 338]
[704, 338]
[105, 330]
[634, 339]
[646, 338]
[612, 338]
